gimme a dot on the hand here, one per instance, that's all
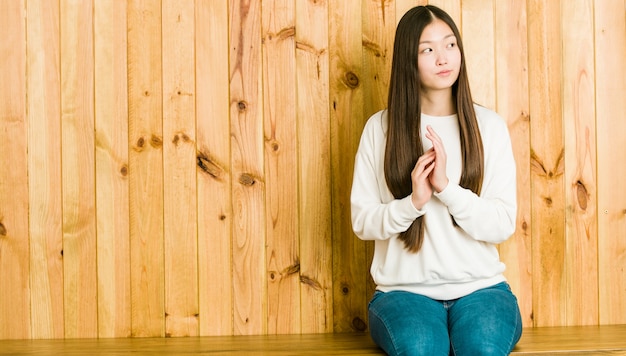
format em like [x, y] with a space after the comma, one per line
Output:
[437, 178]
[422, 189]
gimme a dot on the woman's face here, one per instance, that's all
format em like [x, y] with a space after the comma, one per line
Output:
[439, 57]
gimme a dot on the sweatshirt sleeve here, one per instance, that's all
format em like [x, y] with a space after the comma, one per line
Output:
[375, 213]
[491, 216]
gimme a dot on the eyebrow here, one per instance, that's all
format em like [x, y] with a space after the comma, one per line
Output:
[450, 35]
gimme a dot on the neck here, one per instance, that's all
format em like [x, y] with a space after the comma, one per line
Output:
[437, 103]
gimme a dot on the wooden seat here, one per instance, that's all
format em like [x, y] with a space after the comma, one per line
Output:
[587, 340]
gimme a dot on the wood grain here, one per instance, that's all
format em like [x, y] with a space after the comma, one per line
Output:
[350, 264]
[215, 278]
[314, 171]
[477, 30]
[546, 166]
[378, 32]
[179, 168]
[14, 205]
[579, 340]
[511, 60]
[281, 167]
[610, 91]
[248, 189]
[78, 146]
[267, 102]
[145, 132]
[111, 124]
[44, 158]
[579, 123]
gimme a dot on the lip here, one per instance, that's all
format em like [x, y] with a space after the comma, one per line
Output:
[444, 73]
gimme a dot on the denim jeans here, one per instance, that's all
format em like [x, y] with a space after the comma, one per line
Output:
[486, 322]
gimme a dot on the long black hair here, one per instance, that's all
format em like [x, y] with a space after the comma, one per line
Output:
[404, 143]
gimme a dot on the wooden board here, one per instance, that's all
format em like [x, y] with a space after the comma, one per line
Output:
[378, 28]
[44, 158]
[350, 263]
[111, 123]
[314, 172]
[248, 189]
[145, 132]
[478, 32]
[179, 168]
[610, 37]
[281, 167]
[547, 164]
[14, 244]
[579, 124]
[511, 60]
[272, 101]
[581, 340]
[78, 146]
[215, 280]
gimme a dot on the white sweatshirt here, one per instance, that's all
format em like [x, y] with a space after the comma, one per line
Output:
[453, 261]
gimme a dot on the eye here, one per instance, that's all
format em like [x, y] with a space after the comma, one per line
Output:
[427, 50]
[451, 45]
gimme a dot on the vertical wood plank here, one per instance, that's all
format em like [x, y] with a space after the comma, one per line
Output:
[246, 115]
[14, 237]
[511, 60]
[79, 216]
[378, 30]
[179, 166]
[478, 41]
[610, 51]
[111, 120]
[581, 247]
[313, 123]
[44, 158]
[350, 264]
[281, 166]
[213, 160]
[547, 163]
[145, 110]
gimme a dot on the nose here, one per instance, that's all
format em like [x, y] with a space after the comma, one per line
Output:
[442, 59]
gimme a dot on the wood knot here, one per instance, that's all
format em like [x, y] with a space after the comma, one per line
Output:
[140, 143]
[180, 137]
[548, 201]
[156, 141]
[293, 269]
[581, 195]
[359, 324]
[345, 289]
[208, 166]
[351, 80]
[124, 170]
[310, 282]
[274, 146]
[246, 179]
[242, 106]
[3, 230]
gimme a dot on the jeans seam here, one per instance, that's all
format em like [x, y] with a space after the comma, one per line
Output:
[385, 325]
[517, 322]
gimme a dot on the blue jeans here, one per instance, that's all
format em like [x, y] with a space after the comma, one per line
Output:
[486, 322]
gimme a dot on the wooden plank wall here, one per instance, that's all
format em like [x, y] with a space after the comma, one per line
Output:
[175, 168]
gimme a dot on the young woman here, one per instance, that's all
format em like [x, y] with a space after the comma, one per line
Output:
[435, 188]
